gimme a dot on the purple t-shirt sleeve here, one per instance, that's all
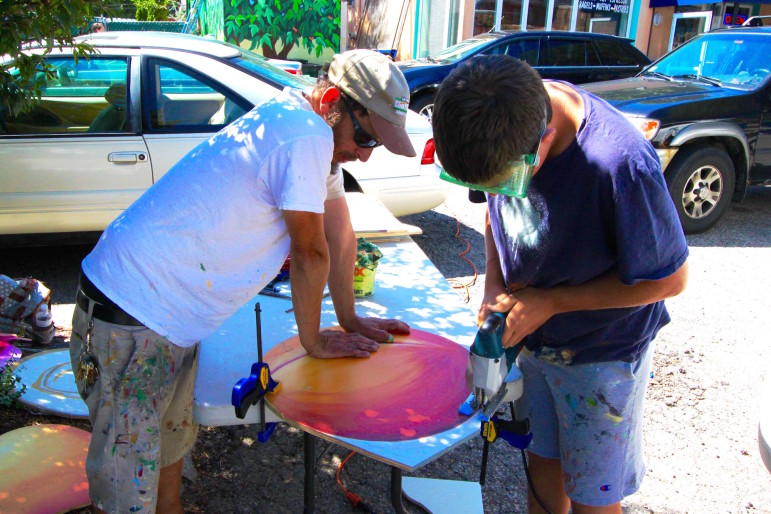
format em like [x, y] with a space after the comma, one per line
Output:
[649, 238]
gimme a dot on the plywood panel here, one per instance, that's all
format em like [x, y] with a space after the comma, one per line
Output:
[406, 390]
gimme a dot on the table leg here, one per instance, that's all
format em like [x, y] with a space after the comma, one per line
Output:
[396, 490]
[309, 446]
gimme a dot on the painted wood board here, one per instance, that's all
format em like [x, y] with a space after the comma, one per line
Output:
[8, 353]
[406, 390]
[444, 496]
[43, 469]
[51, 385]
[409, 288]
[371, 219]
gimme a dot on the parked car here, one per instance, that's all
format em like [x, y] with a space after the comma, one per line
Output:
[706, 107]
[106, 128]
[576, 57]
[291, 67]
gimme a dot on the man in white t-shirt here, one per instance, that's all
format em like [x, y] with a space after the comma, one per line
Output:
[203, 241]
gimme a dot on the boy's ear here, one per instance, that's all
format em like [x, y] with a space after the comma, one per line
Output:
[329, 98]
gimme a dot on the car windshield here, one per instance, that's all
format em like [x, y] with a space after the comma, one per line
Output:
[258, 64]
[727, 59]
[459, 51]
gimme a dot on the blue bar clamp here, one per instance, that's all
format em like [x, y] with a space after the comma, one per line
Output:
[251, 390]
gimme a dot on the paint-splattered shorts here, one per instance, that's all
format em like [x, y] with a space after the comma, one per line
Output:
[590, 417]
[141, 411]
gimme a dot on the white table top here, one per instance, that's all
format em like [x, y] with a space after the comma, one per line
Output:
[407, 287]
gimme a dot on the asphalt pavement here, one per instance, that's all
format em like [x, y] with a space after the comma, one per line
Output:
[710, 369]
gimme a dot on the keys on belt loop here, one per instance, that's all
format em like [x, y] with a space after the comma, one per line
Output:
[88, 368]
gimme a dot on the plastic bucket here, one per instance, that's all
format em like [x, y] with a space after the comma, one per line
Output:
[363, 281]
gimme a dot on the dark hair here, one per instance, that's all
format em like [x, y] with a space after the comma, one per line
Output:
[487, 112]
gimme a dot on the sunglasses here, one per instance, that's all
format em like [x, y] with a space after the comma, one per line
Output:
[520, 172]
[360, 136]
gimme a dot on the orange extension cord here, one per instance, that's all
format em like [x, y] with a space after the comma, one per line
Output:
[354, 498]
[462, 255]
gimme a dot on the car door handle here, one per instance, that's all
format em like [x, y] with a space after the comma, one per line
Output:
[127, 157]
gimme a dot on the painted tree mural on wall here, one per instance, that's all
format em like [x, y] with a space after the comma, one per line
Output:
[211, 18]
[277, 26]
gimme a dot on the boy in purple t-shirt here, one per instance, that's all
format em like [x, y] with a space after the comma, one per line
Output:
[582, 266]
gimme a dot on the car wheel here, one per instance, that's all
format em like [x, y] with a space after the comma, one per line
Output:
[701, 182]
[424, 105]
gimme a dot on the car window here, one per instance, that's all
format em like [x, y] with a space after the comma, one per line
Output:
[461, 50]
[89, 95]
[614, 54]
[592, 57]
[523, 49]
[565, 52]
[177, 99]
[255, 64]
[737, 60]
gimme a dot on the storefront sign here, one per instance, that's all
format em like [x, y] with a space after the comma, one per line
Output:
[730, 19]
[600, 6]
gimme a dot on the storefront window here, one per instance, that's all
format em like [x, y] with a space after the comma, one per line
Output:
[563, 10]
[536, 15]
[452, 23]
[603, 16]
[484, 16]
[511, 14]
[734, 14]
[424, 49]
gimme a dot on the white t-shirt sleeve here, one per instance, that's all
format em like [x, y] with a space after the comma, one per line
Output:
[297, 172]
[335, 184]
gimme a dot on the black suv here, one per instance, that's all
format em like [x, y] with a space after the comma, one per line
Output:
[576, 57]
[706, 107]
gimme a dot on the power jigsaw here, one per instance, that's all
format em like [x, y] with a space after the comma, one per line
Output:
[495, 379]
[493, 375]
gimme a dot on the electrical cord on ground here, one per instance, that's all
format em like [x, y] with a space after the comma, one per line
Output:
[462, 255]
[530, 484]
[356, 500]
[527, 471]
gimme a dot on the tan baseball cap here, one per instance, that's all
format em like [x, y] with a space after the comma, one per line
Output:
[374, 81]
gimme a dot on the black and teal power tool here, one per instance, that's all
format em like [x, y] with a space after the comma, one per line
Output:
[494, 377]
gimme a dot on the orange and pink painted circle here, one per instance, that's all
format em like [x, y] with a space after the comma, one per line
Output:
[409, 389]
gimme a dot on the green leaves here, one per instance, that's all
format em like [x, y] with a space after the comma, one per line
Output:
[8, 386]
[152, 10]
[46, 23]
[281, 24]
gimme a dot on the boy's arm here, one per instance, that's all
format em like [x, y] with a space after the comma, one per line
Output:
[532, 307]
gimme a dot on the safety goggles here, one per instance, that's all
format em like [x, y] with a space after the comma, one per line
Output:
[519, 171]
[360, 136]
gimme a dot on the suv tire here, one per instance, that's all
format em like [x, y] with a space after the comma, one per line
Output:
[424, 105]
[701, 181]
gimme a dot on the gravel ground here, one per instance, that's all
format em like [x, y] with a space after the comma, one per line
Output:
[702, 407]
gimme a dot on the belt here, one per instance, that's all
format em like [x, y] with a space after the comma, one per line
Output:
[104, 313]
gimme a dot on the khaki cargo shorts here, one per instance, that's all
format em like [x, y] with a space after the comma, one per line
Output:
[140, 407]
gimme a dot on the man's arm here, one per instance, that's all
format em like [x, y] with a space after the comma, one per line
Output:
[342, 250]
[310, 266]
